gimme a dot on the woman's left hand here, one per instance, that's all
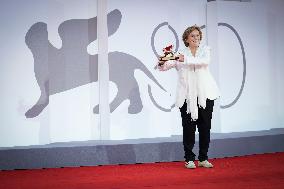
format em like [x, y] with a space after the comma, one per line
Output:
[180, 58]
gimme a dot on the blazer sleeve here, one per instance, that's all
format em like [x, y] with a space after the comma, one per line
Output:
[169, 65]
[174, 64]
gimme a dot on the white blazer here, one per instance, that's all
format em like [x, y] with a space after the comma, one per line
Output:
[193, 83]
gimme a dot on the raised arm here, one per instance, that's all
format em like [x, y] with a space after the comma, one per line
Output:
[189, 62]
[167, 65]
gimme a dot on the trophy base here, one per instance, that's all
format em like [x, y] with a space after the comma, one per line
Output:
[168, 58]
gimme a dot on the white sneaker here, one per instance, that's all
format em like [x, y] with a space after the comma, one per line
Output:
[190, 165]
[205, 163]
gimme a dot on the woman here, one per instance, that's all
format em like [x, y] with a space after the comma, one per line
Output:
[195, 95]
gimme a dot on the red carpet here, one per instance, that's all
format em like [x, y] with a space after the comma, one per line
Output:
[255, 171]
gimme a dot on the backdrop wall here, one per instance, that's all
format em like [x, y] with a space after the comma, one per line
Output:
[49, 89]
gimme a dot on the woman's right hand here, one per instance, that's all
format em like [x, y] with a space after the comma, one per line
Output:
[162, 67]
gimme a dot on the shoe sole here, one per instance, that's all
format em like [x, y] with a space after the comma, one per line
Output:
[190, 167]
[204, 166]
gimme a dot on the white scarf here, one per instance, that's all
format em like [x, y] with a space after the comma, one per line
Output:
[192, 94]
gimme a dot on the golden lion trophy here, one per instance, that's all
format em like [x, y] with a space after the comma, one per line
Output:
[168, 55]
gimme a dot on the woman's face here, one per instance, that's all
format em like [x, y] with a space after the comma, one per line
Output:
[193, 38]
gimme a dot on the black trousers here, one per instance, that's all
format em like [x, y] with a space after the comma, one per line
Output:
[189, 127]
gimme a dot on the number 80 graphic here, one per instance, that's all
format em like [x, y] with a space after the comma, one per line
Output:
[202, 27]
